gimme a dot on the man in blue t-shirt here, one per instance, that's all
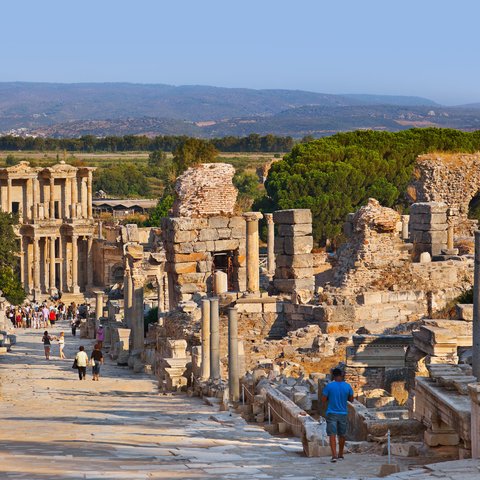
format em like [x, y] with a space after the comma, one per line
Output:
[337, 393]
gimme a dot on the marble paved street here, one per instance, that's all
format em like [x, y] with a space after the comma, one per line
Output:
[53, 426]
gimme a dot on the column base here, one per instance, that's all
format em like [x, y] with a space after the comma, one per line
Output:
[53, 291]
[36, 292]
[75, 289]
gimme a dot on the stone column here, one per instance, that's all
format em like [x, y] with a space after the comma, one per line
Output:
[27, 214]
[220, 282]
[22, 262]
[233, 366]
[52, 198]
[52, 265]
[474, 392]
[61, 270]
[45, 263]
[450, 237]
[83, 186]
[75, 287]
[476, 310]
[138, 323]
[100, 230]
[160, 296]
[127, 296]
[270, 243]
[9, 194]
[98, 305]
[89, 261]
[405, 232]
[73, 197]
[205, 339]
[89, 195]
[253, 263]
[214, 340]
[35, 198]
[36, 265]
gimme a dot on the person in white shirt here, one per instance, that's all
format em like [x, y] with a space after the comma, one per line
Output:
[81, 359]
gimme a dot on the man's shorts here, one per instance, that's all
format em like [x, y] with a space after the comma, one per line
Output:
[336, 424]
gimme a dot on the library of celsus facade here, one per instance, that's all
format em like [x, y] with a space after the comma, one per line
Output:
[56, 225]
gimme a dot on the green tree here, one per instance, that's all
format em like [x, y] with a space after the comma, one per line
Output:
[160, 211]
[9, 265]
[11, 160]
[191, 152]
[157, 158]
[124, 180]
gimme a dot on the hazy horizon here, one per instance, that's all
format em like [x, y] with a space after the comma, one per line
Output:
[406, 48]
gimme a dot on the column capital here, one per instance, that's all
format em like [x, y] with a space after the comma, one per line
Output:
[252, 216]
[268, 217]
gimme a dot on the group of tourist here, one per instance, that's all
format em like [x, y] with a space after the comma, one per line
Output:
[82, 361]
[36, 315]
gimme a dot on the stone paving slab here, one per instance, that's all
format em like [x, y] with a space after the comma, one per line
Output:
[55, 427]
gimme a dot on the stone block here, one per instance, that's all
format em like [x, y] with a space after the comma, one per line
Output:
[188, 288]
[288, 285]
[421, 208]
[465, 311]
[188, 267]
[304, 260]
[208, 234]
[185, 223]
[434, 439]
[295, 230]
[183, 247]
[224, 233]
[276, 307]
[290, 272]
[292, 216]
[189, 257]
[279, 246]
[182, 236]
[249, 307]
[198, 278]
[238, 232]
[218, 222]
[200, 247]
[225, 245]
[298, 245]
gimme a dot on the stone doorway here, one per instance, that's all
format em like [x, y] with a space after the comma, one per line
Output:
[224, 262]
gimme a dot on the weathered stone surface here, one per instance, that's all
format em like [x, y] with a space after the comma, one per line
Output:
[292, 216]
[295, 229]
[208, 234]
[298, 245]
[218, 222]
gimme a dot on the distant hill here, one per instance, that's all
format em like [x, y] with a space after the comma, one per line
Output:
[72, 110]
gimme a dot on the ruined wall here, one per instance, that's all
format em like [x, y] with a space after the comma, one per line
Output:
[450, 178]
[206, 189]
[373, 249]
[190, 245]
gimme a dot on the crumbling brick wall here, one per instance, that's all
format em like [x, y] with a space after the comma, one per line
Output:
[205, 189]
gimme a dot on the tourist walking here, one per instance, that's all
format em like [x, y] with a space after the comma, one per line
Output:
[97, 360]
[47, 342]
[45, 313]
[61, 345]
[52, 316]
[100, 336]
[81, 360]
[336, 394]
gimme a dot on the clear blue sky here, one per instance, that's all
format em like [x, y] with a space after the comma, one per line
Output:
[410, 47]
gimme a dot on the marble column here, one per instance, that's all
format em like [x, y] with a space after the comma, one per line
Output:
[233, 364]
[98, 305]
[46, 276]
[52, 198]
[253, 263]
[28, 213]
[89, 261]
[476, 310]
[405, 232]
[127, 296]
[61, 270]
[36, 265]
[35, 198]
[160, 296]
[89, 195]
[52, 265]
[75, 287]
[23, 281]
[214, 340]
[138, 315]
[270, 243]
[205, 339]
[9, 194]
[83, 186]
[73, 197]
